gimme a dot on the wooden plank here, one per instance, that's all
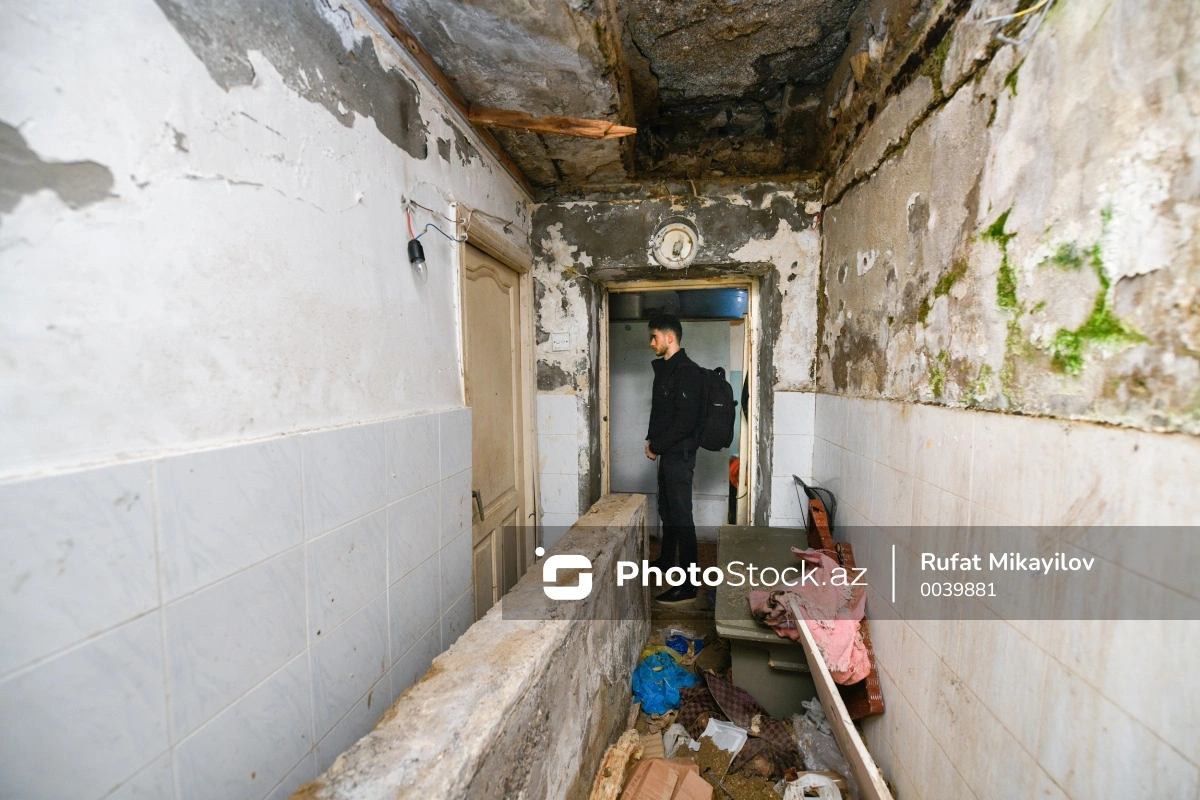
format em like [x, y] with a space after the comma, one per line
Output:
[559, 126]
[871, 785]
[409, 42]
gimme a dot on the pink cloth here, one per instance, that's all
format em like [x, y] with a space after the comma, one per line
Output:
[831, 612]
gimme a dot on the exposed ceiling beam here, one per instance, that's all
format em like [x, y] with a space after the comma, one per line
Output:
[409, 42]
[562, 126]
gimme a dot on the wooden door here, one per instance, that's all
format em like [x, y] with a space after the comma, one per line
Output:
[492, 349]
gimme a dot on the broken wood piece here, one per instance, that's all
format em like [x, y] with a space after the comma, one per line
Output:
[561, 126]
[871, 785]
[610, 778]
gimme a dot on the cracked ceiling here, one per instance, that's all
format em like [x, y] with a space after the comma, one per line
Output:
[716, 88]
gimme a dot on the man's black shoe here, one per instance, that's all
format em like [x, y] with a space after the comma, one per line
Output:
[677, 596]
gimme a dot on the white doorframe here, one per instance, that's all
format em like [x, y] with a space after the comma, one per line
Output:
[749, 456]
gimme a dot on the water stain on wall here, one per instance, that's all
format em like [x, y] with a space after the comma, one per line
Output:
[77, 183]
[310, 53]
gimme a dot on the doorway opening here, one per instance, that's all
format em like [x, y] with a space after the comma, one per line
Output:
[719, 330]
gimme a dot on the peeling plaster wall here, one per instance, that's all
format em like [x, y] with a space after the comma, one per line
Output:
[206, 296]
[1015, 230]
[767, 230]
[1019, 232]
[251, 246]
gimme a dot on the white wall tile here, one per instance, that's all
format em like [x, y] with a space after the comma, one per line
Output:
[413, 664]
[560, 493]
[302, 773]
[785, 500]
[944, 448]
[414, 531]
[456, 569]
[891, 497]
[557, 413]
[87, 719]
[357, 723]
[413, 454]
[455, 429]
[79, 558]
[346, 569]
[347, 663]
[254, 744]
[558, 453]
[794, 413]
[458, 506]
[1092, 748]
[555, 526]
[457, 619]
[226, 638]
[155, 782]
[998, 664]
[793, 455]
[220, 511]
[414, 604]
[344, 475]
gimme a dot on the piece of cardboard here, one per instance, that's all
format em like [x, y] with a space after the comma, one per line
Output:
[666, 779]
[652, 746]
[693, 787]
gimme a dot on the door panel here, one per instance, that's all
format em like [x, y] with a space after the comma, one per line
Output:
[492, 346]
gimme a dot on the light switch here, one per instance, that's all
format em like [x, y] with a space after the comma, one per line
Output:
[560, 342]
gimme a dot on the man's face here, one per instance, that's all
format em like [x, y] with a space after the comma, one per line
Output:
[660, 341]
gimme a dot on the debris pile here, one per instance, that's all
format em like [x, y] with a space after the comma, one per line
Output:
[694, 735]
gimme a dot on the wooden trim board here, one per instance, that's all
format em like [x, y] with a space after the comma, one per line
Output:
[871, 785]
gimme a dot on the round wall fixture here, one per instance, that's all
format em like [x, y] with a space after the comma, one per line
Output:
[675, 245]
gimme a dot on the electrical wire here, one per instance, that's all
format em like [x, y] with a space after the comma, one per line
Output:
[429, 225]
[1042, 6]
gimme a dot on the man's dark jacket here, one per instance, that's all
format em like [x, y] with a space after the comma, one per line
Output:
[675, 407]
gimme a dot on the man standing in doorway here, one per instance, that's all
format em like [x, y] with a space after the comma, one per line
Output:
[672, 440]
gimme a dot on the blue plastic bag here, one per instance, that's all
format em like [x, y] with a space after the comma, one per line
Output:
[679, 643]
[657, 681]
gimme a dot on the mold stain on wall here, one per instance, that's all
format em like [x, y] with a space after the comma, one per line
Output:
[1035, 296]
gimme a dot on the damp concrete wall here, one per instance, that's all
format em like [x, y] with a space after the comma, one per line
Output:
[528, 699]
[1008, 337]
[224, 388]
[769, 231]
[1016, 230]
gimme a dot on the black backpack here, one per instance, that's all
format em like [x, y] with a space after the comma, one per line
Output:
[717, 410]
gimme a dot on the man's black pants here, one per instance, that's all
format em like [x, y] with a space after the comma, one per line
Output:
[675, 471]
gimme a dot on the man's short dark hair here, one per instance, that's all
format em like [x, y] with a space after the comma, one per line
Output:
[667, 322]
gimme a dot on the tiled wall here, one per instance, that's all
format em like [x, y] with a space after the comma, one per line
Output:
[225, 623]
[558, 426]
[993, 708]
[792, 455]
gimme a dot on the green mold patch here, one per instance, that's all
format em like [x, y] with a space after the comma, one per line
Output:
[937, 373]
[941, 289]
[1102, 328]
[934, 65]
[1010, 80]
[924, 309]
[979, 387]
[1006, 278]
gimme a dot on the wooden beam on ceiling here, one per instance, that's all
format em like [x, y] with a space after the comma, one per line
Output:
[561, 126]
[410, 43]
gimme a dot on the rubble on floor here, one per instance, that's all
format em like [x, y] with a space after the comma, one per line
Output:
[694, 734]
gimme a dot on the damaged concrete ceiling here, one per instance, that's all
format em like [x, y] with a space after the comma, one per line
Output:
[715, 87]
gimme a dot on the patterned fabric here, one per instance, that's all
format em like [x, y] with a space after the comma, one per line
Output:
[717, 697]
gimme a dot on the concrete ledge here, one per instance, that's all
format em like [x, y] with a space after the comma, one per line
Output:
[516, 707]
